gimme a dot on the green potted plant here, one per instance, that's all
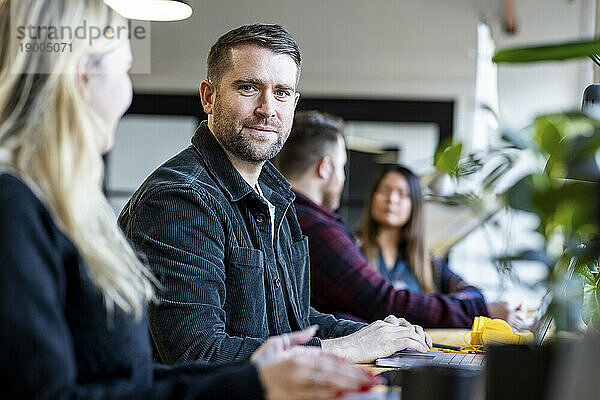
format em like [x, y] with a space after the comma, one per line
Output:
[563, 193]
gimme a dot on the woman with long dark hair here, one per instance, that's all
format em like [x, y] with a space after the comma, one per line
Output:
[392, 239]
[73, 294]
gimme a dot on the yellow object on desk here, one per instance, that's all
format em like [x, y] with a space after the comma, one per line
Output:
[489, 331]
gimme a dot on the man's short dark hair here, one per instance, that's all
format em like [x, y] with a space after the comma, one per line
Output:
[270, 36]
[314, 135]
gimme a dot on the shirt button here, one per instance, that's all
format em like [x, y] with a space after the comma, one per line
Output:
[260, 218]
[277, 282]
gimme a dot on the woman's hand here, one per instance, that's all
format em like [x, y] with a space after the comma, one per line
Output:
[310, 373]
[274, 347]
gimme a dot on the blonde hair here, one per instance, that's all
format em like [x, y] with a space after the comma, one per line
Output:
[51, 139]
[412, 232]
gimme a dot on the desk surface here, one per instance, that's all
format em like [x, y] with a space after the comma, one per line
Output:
[451, 336]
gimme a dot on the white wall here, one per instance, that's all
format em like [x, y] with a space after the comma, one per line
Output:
[529, 89]
[142, 143]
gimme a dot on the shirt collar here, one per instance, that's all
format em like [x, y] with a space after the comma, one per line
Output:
[227, 176]
[304, 200]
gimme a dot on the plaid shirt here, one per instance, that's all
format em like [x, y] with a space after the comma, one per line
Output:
[342, 281]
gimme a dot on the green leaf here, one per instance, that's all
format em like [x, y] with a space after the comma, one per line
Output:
[586, 269]
[580, 160]
[591, 307]
[447, 158]
[571, 205]
[548, 133]
[521, 196]
[596, 320]
[570, 140]
[552, 52]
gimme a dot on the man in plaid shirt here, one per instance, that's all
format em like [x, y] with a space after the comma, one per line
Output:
[342, 280]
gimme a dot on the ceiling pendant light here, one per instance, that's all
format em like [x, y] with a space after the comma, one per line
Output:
[151, 10]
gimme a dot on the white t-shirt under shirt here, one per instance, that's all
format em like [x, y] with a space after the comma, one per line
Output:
[271, 210]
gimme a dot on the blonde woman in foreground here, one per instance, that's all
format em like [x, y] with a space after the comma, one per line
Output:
[73, 295]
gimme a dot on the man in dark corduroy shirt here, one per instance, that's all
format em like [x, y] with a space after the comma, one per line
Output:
[218, 227]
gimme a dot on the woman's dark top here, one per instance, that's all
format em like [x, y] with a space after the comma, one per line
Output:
[56, 338]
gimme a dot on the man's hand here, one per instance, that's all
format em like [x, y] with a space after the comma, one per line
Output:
[379, 339]
[501, 309]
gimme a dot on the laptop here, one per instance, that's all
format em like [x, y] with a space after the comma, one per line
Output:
[410, 358]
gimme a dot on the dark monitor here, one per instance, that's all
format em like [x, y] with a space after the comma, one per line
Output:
[589, 169]
[591, 98]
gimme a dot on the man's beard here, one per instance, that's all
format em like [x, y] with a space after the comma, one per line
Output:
[241, 145]
[331, 200]
[332, 194]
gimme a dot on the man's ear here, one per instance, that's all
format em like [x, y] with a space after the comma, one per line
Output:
[324, 168]
[207, 96]
[296, 99]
